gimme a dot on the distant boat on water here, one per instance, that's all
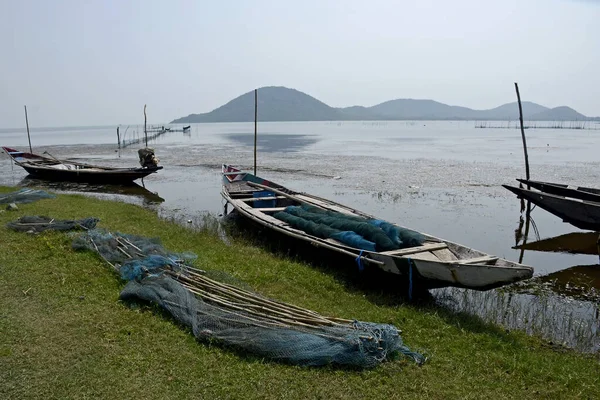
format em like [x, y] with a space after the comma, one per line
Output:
[50, 168]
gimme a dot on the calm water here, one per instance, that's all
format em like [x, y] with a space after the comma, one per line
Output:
[442, 178]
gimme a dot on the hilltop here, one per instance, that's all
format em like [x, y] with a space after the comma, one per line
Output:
[277, 103]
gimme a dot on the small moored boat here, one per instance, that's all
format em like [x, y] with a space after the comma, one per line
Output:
[577, 206]
[62, 170]
[426, 261]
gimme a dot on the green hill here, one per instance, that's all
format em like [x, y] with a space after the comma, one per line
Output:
[277, 103]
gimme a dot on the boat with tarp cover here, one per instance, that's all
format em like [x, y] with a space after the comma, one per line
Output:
[426, 261]
[53, 169]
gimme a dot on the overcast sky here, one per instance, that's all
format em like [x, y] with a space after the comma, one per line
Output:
[98, 62]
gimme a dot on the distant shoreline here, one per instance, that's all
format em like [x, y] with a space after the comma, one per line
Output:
[595, 121]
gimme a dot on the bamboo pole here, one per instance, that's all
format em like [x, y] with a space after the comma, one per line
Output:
[255, 125]
[528, 212]
[247, 294]
[254, 301]
[27, 123]
[523, 134]
[145, 131]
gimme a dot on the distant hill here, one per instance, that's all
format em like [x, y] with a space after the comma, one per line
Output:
[276, 103]
[563, 113]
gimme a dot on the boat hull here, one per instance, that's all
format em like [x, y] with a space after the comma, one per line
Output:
[579, 213]
[576, 192]
[437, 263]
[52, 169]
[111, 176]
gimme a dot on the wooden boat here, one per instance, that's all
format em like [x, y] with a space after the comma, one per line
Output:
[570, 206]
[432, 264]
[47, 168]
[559, 189]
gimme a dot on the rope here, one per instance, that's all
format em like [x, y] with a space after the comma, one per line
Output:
[410, 282]
[359, 262]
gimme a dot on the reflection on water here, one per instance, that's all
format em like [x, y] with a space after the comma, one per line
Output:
[581, 282]
[134, 189]
[562, 306]
[574, 242]
[272, 143]
[561, 320]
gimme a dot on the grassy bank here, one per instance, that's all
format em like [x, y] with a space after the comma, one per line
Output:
[64, 334]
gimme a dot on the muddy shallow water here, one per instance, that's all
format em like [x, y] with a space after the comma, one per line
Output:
[440, 178]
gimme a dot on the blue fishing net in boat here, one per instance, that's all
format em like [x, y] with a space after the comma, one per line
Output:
[403, 237]
[361, 227]
[25, 196]
[397, 237]
[353, 239]
[324, 232]
[221, 311]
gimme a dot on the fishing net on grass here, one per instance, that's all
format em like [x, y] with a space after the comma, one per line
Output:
[25, 196]
[36, 223]
[363, 233]
[236, 316]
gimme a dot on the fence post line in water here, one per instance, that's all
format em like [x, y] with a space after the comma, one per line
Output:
[27, 123]
[523, 134]
[145, 132]
[255, 123]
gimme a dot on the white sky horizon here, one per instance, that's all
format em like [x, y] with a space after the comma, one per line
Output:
[98, 62]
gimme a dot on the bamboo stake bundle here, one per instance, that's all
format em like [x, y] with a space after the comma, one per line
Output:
[238, 316]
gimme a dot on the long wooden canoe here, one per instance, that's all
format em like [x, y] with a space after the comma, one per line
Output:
[70, 171]
[569, 206]
[432, 264]
[560, 189]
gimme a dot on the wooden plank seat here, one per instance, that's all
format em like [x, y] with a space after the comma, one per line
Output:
[416, 249]
[262, 198]
[269, 209]
[478, 260]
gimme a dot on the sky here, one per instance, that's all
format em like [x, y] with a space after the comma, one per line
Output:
[97, 62]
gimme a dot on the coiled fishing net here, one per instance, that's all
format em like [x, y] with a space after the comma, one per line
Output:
[36, 223]
[235, 316]
[352, 230]
[25, 196]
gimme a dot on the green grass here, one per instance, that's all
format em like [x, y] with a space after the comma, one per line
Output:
[65, 334]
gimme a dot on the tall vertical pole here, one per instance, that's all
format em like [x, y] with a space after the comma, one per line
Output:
[118, 138]
[528, 212]
[27, 123]
[145, 132]
[255, 125]
[523, 134]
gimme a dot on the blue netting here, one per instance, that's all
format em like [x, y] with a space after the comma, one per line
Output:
[150, 265]
[232, 315]
[38, 223]
[25, 196]
[352, 230]
[354, 240]
[359, 344]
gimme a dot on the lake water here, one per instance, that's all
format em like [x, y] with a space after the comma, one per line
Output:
[442, 178]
